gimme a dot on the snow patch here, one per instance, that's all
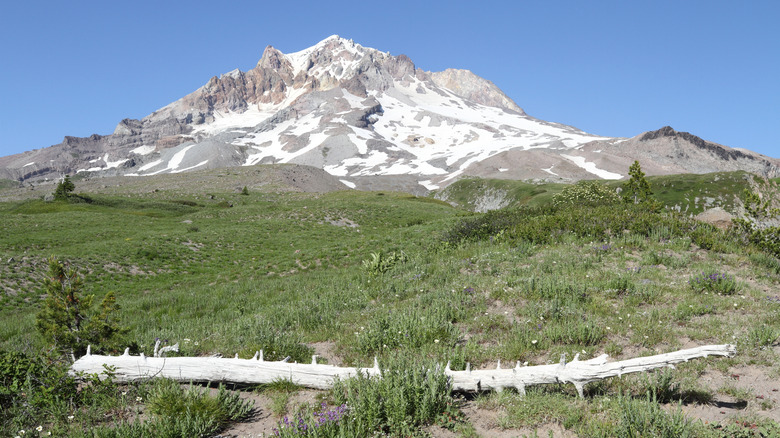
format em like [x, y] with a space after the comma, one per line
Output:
[143, 150]
[28, 164]
[177, 158]
[190, 168]
[349, 184]
[113, 164]
[148, 166]
[428, 184]
[590, 167]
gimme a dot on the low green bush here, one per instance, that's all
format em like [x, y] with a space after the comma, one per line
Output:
[178, 413]
[590, 193]
[381, 262]
[714, 282]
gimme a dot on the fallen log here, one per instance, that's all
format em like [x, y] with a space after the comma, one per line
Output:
[127, 368]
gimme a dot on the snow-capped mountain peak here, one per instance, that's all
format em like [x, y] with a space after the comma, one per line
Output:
[359, 113]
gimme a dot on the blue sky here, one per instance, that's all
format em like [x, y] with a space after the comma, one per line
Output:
[614, 68]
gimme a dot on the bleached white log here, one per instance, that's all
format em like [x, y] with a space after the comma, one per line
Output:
[255, 371]
[128, 368]
[577, 372]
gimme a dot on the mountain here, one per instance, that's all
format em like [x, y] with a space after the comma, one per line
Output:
[374, 121]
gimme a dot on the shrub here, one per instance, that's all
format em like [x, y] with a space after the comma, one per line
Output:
[409, 394]
[30, 387]
[714, 282]
[381, 262]
[590, 193]
[168, 399]
[547, 225]
[179, 412]
[753, 229]
[308, 422]
[67, 318]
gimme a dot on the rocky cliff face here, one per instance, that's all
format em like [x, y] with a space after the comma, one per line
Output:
[359, 113]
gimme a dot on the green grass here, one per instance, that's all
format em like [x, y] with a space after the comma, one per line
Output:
[283, 271]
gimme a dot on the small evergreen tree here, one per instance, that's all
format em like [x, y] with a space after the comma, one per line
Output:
[636, 190]
[245, 191]
[67, 318]
[64, 189]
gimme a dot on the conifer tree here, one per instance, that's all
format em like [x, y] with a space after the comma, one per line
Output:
[64, 189]
[636, 190]
[67, 318]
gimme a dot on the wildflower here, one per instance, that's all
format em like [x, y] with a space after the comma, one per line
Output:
[39, 428]
[534, 341]
[435, 341]
[21, 432]
[70, 417]
[609, 328]
[138, 399]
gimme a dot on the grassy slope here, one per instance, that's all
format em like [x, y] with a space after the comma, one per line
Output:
[466, 192]
[272, 272]
[688, 193]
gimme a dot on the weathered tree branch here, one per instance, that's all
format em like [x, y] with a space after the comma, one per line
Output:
[127, 368]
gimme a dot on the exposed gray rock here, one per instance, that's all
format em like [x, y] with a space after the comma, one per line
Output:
[717, 217]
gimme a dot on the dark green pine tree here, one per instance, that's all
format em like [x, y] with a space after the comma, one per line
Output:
[67, 318]
[64, 189]
[636, 189]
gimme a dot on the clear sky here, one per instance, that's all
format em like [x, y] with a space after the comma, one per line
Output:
[613, 68]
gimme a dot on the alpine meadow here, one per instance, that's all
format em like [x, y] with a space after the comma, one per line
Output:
[350, 276]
